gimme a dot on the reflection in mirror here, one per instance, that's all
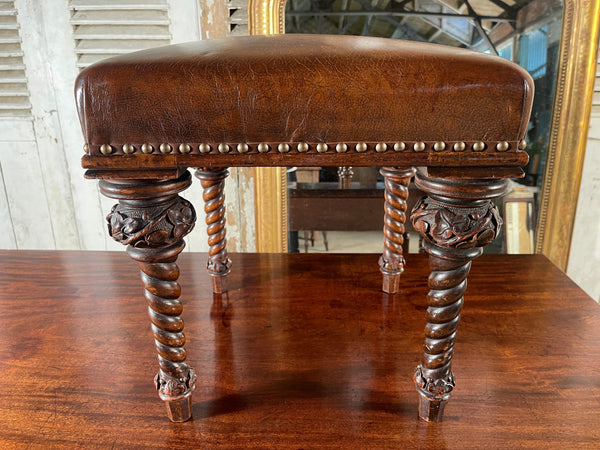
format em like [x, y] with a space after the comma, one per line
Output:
[341, 210]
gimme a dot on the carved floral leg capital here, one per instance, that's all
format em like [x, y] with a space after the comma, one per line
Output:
[151, 219]
[391, 262]
[456, 220]
[218, 265]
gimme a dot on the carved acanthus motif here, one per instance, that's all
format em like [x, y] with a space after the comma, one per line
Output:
[392, 265]
[151, 227]
[437, 387]
[456, 227]
[218, 266]
[169, 387]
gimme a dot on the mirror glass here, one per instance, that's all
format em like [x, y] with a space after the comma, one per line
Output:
[341, 209]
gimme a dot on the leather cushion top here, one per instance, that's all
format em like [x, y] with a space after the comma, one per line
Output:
[303, 88]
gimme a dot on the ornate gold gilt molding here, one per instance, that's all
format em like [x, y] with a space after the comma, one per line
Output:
[568, 136]
[270, 185]
[266, 16]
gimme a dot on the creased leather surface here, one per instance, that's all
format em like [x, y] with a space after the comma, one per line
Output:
[302, 88]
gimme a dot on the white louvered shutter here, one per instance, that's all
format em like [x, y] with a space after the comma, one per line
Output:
[237, 23]
[104, 28]
[14, 95]
[43, 46]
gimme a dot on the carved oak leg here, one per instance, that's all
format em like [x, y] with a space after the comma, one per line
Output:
[456, 220]
[151, 219]
[218, 265]
[391, 262]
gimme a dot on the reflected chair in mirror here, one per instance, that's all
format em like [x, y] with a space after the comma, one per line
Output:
[305, 101]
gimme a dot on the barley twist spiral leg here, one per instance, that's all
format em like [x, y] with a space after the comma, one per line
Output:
[218, 265]
[175, 380]
[391, 262]
[151, 219]
[447, 284]
[455, 221]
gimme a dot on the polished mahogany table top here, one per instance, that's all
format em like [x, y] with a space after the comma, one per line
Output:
[304, 351]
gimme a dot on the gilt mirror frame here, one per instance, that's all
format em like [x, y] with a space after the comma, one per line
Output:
[566, 147]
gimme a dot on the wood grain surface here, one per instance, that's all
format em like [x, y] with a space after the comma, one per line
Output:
[304, 351]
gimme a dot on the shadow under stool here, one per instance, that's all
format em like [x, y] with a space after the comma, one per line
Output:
[458, 116]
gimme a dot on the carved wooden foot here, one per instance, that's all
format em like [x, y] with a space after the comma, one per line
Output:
[151, 219]
[455, 221]
[391, 262]
[218, 265]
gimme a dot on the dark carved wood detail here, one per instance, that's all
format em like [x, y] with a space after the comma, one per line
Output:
[455, 222]
[151, 226]
[447, 284]
[391, 262]
[169, 387]
[218, 265]
[456, 227]
[175, 380]
[434, 386]
[151, 219]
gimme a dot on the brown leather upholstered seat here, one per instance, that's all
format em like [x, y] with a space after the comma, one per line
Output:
[305, 101]
[301, 89]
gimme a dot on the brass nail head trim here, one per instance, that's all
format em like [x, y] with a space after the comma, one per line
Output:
[302, 147]
[522, 144]
[502, 146]
[399, 146]
[459, 147]
[478, 146]
[106, 149]
[147, 148]
[341, 148]
[128, 149]
[86, 148]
